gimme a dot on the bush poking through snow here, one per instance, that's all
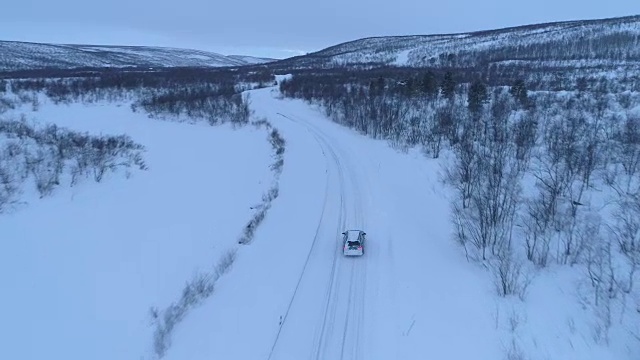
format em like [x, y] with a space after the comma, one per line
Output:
[9, 181]
[6, 104]
[51, 155]
[515, 352]
[258, 217]
[202, 286]
[193, 294]
[278, 144]
[510, 277]
[225, 263]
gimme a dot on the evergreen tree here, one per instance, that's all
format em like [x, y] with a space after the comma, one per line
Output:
[519, 92]
[477, 96]
[429, 85]
[448, 86]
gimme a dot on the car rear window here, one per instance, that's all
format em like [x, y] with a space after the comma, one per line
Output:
[353, 243]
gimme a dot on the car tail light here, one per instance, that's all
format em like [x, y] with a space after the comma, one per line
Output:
[359, 247]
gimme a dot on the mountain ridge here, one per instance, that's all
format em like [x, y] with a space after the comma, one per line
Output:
[21, 55]
[606, 43]
[573, 39]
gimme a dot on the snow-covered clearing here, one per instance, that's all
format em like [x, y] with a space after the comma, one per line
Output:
[81, 268]
[402, 58]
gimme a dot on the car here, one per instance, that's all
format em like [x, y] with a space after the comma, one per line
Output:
[353, 242]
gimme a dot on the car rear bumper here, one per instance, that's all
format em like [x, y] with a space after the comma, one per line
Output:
[353, 253]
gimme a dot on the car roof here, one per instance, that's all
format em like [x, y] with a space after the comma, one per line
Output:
[352, 235]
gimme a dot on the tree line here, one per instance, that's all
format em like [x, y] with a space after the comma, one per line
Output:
[205, 94]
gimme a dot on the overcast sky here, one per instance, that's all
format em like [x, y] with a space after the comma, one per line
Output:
[276, 28]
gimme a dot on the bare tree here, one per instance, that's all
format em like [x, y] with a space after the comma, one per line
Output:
[46, 170]
[510, 277]
[600, 269]
[626, 232]
[488, 179]
[439, 125]
[525, 138]
[462, 175]
[535, 223]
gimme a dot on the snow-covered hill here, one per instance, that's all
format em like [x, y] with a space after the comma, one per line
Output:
[23, 55]
[614, 41]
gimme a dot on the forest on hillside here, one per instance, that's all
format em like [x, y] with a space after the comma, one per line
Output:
[541, 177]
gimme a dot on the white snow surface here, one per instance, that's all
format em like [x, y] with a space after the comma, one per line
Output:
[402, 59]
[81, 268]
[410, 296]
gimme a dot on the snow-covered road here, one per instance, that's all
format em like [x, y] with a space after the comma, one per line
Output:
[292, 295]
[335, 329]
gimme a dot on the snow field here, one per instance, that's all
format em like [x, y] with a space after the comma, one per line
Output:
[81, 268]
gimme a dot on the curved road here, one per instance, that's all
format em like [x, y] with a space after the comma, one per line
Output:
[411, 296]
[335, 330]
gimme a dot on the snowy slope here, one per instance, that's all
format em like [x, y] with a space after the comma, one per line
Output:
[16, 55]
[250, 59]
[567, 44]
[81, 269]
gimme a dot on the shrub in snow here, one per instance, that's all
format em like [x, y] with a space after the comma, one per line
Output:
[258, 217]
[194, 292]
[46, 170]
[510, 276]
[9, 180]
[200, 287]
[6, 104]
[278, 144]
[48, 154]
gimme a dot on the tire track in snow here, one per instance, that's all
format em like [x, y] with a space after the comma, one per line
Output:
[331, 304]
[330, 308]
[340, 323]
[354, 316]
[352, 332]
[313, 245]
